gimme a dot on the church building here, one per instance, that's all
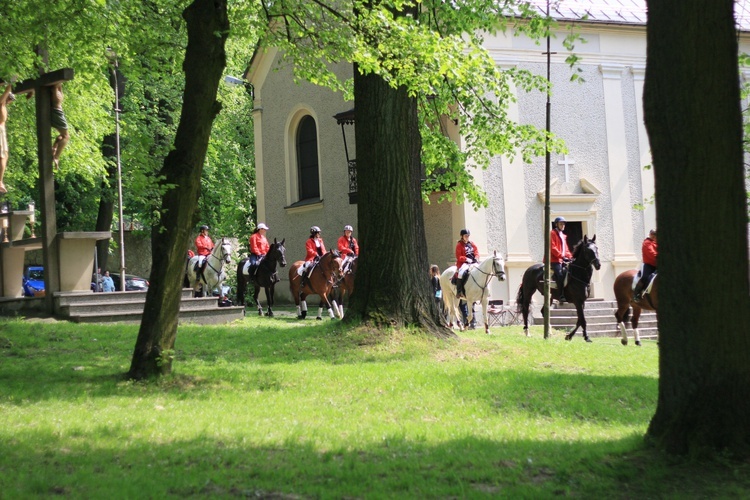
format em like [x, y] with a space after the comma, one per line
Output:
[603, 186]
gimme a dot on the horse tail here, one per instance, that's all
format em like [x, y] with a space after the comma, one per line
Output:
[519, 299]
[241, 283]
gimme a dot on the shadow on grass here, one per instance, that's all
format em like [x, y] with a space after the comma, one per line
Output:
[395, 467]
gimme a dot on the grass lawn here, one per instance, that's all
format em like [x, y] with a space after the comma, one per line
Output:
[280, 408]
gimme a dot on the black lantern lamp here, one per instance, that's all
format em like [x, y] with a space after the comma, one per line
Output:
[347, 118]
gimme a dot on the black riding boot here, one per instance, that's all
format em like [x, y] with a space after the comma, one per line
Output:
[460, 291]
[303, 283]
[638, 291]
[561, 288]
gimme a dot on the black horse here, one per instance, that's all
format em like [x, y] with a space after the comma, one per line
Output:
[585, 256]
[264, 278]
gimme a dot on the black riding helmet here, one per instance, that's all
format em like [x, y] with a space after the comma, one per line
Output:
[465, 231]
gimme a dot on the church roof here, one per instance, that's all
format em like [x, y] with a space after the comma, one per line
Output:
[619, 11]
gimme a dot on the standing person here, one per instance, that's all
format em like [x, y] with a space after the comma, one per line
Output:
[559, 254]
[204, 246]
[108, 285]
[314, 248]
[59, 123]
[6, 98]
[649, 251]
[466, 253]
[258, 247]
[348, 246]
[437, 290]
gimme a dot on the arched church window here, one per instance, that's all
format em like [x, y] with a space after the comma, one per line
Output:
[307, 159]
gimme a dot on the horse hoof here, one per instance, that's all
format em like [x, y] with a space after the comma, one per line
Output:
[270, 314]
[638, 343]
[568, 337]
[319, 318]
[625, 342]
[260, 313]
[587, 339]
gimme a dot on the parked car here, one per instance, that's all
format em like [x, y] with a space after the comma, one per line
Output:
[33, 281]
[132, 282]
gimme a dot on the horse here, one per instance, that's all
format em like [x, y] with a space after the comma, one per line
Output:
[344, 286]
[320, 283]
[264, 277]
[213, 275]
[477, 288]
[585, 260]
[623, 288]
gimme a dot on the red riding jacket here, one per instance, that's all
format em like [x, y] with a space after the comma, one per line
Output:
[259, 244]
[558, 242]
[649, 251]
[204, 245]
[312, 249]
[347, 248]
[461, 253]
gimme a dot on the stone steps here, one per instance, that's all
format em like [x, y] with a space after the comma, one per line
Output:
[127, 307]
[600, 319]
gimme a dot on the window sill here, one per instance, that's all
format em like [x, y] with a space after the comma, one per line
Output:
[304, 206]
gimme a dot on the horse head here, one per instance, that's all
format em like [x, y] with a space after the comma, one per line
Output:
[588, 252]
[335, 268]
[278, 251]
[226, 250]
[498, 266]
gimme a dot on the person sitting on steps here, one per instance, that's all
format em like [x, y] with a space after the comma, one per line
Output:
[649, 251]
[559, 255]
[466, 253]
[315, 248]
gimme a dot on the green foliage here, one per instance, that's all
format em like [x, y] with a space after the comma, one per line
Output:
[272, 408]
[149, 40]
[434, 49]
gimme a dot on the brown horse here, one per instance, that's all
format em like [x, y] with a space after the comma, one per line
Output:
[624, 294]
[344, 286]
[320, 283]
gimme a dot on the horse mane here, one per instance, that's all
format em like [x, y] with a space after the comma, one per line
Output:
[579, 247]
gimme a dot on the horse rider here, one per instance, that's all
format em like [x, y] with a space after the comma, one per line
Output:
[204, 246]
[348, 246]
[315, 249]
[649, 250]
[258, 247]
[559, 254]
[466, 253]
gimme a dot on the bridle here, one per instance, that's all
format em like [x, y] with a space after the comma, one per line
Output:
[497, 271]
[588, 267]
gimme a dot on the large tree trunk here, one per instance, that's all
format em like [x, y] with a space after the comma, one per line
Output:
[205, 59]
[692, 112]
[392, 282]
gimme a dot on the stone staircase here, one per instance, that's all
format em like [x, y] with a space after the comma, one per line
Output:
[127, 307]
[600, 320]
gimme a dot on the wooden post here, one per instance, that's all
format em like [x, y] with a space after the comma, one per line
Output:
[42, 88]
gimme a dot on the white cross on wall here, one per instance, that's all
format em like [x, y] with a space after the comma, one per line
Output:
[566, 163]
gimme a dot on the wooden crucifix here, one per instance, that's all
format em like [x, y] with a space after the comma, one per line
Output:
[43, 87]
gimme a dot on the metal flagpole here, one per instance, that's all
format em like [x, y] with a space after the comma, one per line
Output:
[547, 300]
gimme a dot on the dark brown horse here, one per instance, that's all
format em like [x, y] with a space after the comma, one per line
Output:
[585, 259]
[624, 294]
[344, 286]
[320, 283]
[264, 277]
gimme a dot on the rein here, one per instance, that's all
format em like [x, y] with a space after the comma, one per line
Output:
[208, 263]
[587, 270]
[488, 276]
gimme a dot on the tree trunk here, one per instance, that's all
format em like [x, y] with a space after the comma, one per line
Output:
[205, 59]
[392, 282]
[693, 117]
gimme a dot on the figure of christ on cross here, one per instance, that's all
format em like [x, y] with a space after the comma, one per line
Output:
[6, 98]
[57, 121]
